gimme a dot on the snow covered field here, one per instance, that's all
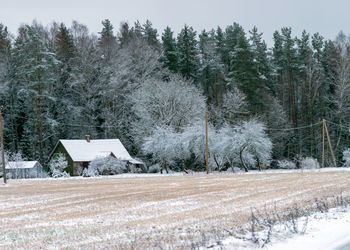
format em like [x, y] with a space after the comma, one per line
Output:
[150, 211]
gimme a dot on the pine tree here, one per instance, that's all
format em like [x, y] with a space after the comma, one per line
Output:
[188, 53]
[169, 56]
[261, 67]
[107, 41]
[241, 65]
[150, 34]
[35, 66]
[211, 73]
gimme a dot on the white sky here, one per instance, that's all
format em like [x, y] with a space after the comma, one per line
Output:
[327, 17]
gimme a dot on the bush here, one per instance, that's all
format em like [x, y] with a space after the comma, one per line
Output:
[309, 163]
[57, 165]
[105, 166]
[286, 164]
[346, 157]
[154, 169]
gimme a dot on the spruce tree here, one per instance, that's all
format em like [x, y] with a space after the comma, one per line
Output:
[107, 42]
[150, 34]
[188, 53]
[169, 53]
[35, 67]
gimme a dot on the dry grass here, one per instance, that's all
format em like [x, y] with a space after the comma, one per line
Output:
[140, 212]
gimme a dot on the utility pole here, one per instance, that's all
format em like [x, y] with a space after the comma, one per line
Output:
[2, 149]
[206, 141]
[323, 128]
[329, 143]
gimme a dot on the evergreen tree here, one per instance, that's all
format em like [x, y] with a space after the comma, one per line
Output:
[188, 53]
[211, 73]
[169, 56]
[35, 67]
[107, 41]
[150, 34]
[241, 66]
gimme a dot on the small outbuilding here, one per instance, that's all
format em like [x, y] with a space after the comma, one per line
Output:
[79, 153]
[23, 169]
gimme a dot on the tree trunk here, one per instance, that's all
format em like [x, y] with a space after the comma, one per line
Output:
[38, 107]
[241, 158]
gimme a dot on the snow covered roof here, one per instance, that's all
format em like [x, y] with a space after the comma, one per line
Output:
[81, 150]
[21, 164]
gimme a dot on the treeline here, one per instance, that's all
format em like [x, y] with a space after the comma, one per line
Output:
[63, 83]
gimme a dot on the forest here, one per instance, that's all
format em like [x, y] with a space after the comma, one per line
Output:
[151, 89]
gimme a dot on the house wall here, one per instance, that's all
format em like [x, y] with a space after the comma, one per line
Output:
[20, 173]
[60, 149]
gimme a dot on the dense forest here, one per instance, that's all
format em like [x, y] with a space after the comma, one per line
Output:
[151, 91]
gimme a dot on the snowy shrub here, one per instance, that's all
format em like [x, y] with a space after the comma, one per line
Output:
[247, 145]
[57, 165]
[164, 145]
[346, 157]
[309, 163]
[286, 164]
[105, 166]
[192, 140]
[154, 168]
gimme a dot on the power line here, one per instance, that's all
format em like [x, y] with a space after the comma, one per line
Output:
[296, 128]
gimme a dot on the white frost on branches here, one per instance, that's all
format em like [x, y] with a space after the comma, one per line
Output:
[175, 103]
[57, 166]
[346, 157]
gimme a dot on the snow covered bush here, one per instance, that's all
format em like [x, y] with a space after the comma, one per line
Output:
[192, 140]
[346, 158]
[164, 146]
[105, 166]
[154, 169]
[309, 163]
[57, 165]
[286, 164]
[256, 142]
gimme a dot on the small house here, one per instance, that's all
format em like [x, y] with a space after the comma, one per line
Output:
[23, 169]
[79, 153]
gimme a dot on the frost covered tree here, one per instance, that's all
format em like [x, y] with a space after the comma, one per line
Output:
[57, 166]
[174, 103]
[246, 144]
[164, 146]
[192, 140]
[346, 158]
[256, 142]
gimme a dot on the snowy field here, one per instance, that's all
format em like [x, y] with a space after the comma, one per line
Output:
[149, 211]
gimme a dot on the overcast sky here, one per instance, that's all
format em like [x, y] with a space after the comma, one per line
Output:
[327, 17]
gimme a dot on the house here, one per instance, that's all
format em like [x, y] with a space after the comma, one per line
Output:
[23, 169]
[79, 153]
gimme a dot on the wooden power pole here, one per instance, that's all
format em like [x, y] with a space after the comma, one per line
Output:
[2, 149]
[206, 142]
[323, 128]
[329, 143]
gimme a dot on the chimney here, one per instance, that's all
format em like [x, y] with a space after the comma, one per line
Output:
[87, 138]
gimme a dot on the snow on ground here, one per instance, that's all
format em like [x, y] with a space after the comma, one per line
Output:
[324, 231]
[150, 211]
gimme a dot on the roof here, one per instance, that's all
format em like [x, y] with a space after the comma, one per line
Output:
[82, 151]
[21, 164]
